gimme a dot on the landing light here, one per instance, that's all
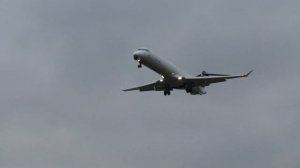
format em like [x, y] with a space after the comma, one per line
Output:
[162, 79]
[179, 77]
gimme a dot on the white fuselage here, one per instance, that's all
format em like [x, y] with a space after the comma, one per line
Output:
[172, 76]
[166, 69]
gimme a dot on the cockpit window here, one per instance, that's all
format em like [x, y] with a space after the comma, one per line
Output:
[143, 49]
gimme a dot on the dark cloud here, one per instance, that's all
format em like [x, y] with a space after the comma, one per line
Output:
[63, 65]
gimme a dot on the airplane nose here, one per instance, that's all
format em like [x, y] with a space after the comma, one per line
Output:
[135, 57]
[140, 53]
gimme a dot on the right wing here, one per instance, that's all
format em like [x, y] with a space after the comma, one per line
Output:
[156, 86]
[205, 81]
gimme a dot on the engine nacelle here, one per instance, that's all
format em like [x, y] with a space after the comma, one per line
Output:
[196, 90]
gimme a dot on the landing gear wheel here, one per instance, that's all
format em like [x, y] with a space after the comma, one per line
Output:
[140, 66]
[188, 90]
[167, 92]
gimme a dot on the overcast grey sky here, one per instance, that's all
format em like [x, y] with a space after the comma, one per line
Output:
[63, 64]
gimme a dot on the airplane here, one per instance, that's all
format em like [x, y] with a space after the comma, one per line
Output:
[175, 78]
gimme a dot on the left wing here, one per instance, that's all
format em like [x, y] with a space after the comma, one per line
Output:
[205, 81]
[156, 86]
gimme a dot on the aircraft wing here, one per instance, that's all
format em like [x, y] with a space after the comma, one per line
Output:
[156, 86]
[205, 81]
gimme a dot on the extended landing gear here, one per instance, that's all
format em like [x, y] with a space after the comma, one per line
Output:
[140, 65]
[188, 90]
[167, 92]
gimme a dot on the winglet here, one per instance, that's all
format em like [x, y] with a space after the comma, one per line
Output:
[248, 73]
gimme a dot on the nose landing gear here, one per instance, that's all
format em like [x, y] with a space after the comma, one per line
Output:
[136, 58]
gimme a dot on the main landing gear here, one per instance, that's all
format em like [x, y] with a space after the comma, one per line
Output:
[167, 92]
[188, 90]
[140, 65]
